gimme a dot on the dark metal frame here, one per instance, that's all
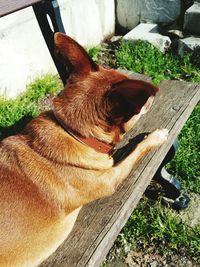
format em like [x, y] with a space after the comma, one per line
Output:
[43, 10]
[171, 185]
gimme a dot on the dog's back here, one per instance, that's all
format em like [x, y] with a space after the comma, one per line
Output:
[32, 224]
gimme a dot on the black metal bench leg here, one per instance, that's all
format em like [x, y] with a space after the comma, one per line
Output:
[43, 10]
[171, 185]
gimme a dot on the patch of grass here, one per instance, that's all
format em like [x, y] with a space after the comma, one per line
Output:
[143, 57]
[185, 165]
[14, 113]
[152, 225]
[94, 52]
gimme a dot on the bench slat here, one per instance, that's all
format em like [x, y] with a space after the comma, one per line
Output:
[9, 6]
[100, 222]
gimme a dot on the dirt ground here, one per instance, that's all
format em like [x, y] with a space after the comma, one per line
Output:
[148, 259]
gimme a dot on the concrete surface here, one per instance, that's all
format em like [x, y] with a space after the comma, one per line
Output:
[128, 13]
[23, 52]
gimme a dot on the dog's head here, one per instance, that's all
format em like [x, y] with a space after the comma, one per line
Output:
[98, 102]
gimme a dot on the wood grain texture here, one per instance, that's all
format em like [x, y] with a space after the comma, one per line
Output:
[134, 75]
[9, 6]
[100, 222]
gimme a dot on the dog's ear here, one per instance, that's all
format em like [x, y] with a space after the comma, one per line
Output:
[127, 98]
[73, 55]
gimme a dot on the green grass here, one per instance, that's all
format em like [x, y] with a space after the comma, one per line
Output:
[94, 52]
[14, 113]
[144, 58]
[186, 164]
[151, 224]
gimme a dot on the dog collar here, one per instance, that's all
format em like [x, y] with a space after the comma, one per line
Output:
[94, 143]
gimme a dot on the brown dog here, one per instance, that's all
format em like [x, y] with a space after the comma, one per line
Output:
[61, 160]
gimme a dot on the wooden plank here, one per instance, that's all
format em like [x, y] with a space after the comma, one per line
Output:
[100, 222]
[9, 6]
[134, 75]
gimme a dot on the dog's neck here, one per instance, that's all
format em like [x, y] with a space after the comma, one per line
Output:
[92, 142]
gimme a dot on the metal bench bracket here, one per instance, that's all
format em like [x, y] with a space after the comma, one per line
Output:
[171, 185]
[42, 10]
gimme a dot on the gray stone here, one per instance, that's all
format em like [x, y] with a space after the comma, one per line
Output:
[160, 11]
[130, 12]
[189, 44]
[149, 32]
[192, 19]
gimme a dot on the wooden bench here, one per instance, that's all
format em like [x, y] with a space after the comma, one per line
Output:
[100, 222]
[42, 9]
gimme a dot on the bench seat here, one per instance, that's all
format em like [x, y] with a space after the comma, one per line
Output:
[10, 6]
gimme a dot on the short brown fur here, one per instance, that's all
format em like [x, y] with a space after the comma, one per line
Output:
[46, 175]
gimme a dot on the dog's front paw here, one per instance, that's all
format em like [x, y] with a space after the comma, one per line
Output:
[158, 137]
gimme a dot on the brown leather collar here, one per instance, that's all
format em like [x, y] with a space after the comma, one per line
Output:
[99, 146]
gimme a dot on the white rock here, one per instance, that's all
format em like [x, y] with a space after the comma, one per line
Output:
[188, 44]
[149, 32]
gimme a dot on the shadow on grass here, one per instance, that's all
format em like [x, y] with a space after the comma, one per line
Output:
[15, 128]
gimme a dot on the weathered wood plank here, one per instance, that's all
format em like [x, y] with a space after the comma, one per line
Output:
[9, 6]
[100, 222]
